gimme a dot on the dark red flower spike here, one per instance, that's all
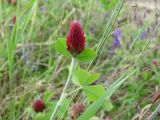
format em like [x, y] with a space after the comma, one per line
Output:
[38, 105]
[14, 19]
[75, 38]
[154, 62]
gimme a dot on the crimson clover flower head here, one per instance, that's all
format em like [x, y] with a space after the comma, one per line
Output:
[38, 105]
[75, 39]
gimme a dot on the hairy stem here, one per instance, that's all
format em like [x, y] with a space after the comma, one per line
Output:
[63, 95]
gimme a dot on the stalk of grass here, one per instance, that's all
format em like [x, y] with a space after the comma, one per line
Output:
[63, 94]
[88, 15]
[1, 13]
[11, 44]
[29, 17]
[108, 29]
[31, 7]
[26, 7]
[3, 65]
[109, 26]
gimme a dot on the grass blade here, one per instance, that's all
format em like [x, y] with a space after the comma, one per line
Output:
[108, 29]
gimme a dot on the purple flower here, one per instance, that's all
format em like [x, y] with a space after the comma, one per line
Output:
[117, 36]
[116, 43]
[117, 33]
[143, 35]
[43, 8]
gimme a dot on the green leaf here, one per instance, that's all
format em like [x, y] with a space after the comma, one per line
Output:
[87, 55]
[108, 105]
[92, 78]
[60, 46]
[87, 79]
[77, 77]
[82, 76]
[94, 107]
[94, 92]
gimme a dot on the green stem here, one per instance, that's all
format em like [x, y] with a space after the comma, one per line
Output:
[74, 91]
[63, 95]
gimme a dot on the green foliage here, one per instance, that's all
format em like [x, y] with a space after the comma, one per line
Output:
[79, 74]
[108, 105]
[87, 55]
[92, 78]
[60, 46]
[27, 45]
[42, 116]
[3, 51]
[108, 4]
[94, 92]
[62, 108]
[47, 99]
[94, 107]
[87, 79]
